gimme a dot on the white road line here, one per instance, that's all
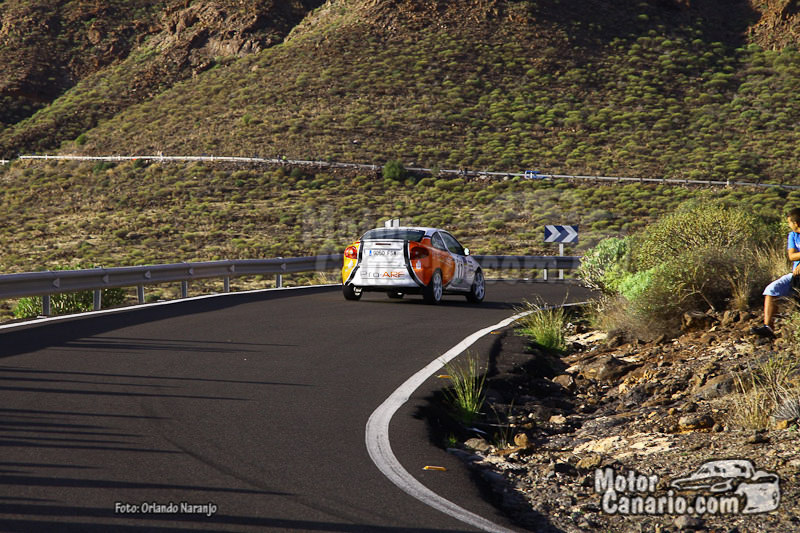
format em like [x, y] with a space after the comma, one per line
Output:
[380, 449]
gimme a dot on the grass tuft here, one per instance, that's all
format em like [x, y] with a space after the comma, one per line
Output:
[466, 393]
[767, 392]
[545, 326]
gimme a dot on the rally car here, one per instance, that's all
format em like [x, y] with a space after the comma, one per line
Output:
[411, 260]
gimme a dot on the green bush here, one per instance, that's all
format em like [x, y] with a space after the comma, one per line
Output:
[699, 224]
[67, 303]
[605, 265]
[633, 285]
[394, 170]
[693, 259]
[448, 185]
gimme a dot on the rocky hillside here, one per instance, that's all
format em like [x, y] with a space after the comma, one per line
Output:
[661, 410]
[46, 47]
[123, 52]
[672, 88]
[778, 25]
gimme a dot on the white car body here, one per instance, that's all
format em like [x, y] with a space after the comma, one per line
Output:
[406, 260]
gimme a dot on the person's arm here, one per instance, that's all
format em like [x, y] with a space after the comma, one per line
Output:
[793, 252]
[794, 255]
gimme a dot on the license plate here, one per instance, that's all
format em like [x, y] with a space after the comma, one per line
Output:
[383, 253]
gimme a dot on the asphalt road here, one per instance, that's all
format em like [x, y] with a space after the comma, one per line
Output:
[253, 405]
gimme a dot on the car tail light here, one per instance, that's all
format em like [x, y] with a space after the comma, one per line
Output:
[351, 252]
[419, 252]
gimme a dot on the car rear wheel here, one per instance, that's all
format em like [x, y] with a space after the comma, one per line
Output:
[351, 292]
[434, 290]
[396, 295]
[478, 290]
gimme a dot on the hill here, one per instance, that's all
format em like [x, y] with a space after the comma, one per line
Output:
[660, 88]
[656, 89]
[78, 62]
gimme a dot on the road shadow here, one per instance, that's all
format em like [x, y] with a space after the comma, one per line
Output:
[36, 336]
[65, 519]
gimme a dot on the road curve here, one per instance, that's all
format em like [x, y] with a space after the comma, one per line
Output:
[239, 413]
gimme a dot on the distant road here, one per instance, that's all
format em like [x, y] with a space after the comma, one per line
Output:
[527, 174]
[252, 407]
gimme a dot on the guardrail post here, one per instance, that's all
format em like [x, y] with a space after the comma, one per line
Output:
[278, 281]
[226, 284]
[140, 293]
[98, 299]
[184, 289]
[46, 307]
[544, 273]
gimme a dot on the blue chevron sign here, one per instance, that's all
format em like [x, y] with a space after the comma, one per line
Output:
[566, 234]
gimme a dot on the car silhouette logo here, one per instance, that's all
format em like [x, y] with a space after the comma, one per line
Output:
[760, 489]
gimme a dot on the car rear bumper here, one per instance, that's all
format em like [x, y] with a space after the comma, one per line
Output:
[384, 279]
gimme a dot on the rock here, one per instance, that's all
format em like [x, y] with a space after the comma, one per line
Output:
[694, 422]
[540, 412]
[590, 462]
[521, 440]
[615, 339]
[697, 320]
[602, 445]
[606, 368]
[715, 387]
[565, 380]
[565, 468]
[783, 424]
[477, 444]
[757, 438]
[685, 522]
[729, 317]
[558, 419]
[708, 338]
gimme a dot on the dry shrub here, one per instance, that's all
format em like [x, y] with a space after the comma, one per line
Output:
[614, 314]
[768, 392]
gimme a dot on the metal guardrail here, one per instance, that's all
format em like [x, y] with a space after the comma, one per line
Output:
[51, 282]
[531, 175]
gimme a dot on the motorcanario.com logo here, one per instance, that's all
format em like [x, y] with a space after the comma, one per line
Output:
[725, 487]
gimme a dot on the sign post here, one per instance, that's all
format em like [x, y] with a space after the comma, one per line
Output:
[561, 235]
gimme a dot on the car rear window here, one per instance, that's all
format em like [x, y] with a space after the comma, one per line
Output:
[394, 233]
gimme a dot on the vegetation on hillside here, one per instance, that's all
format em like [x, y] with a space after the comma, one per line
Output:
[47, 46]
[79, 63]
[707, 256]
[652, 89]
[704, 256]
[641, 92]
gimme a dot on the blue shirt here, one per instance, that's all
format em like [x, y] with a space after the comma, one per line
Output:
[794, 242]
